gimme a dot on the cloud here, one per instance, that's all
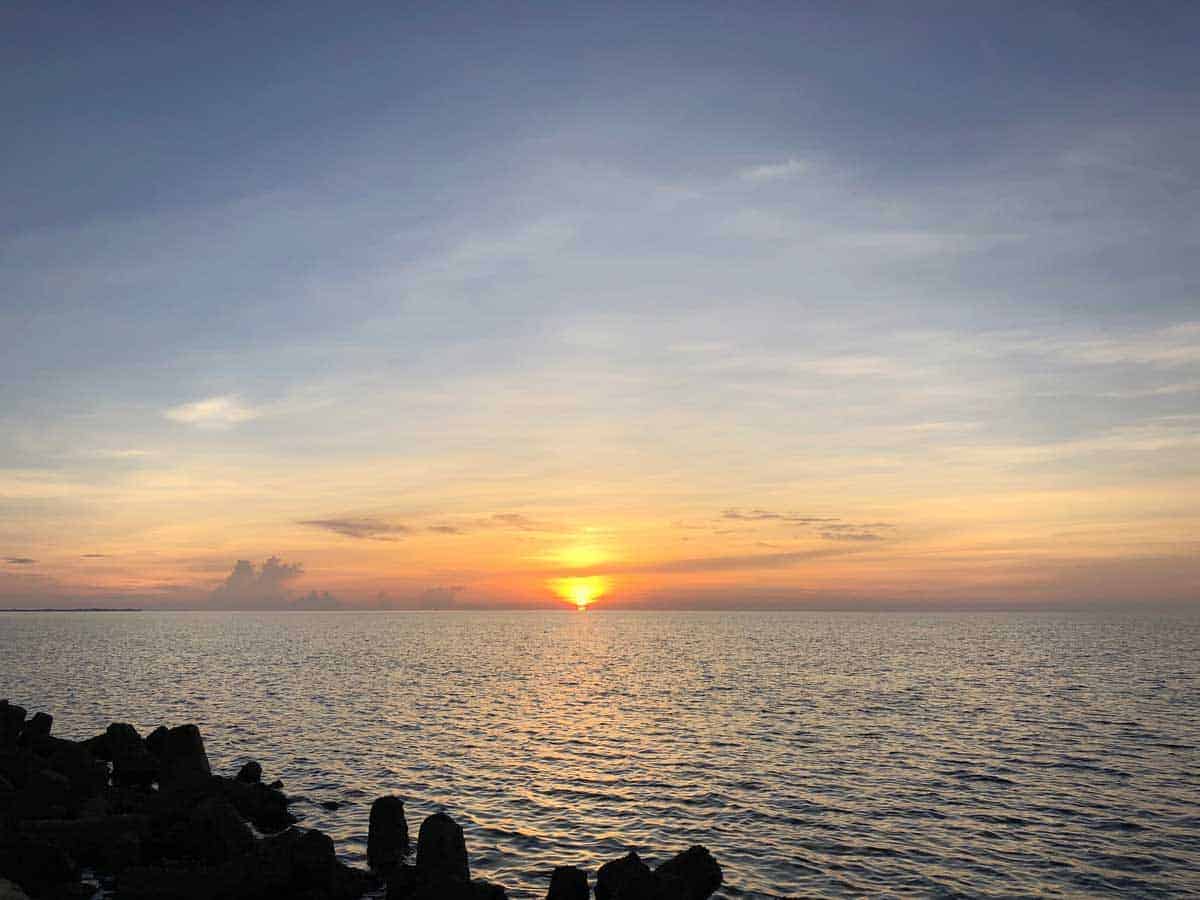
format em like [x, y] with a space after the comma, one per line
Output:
[520, 523]
[214, 412]
[263, 588]
[830, 528]
[851, 536]
[364, 528]
[773, 171]
[738, 562]
[511, 521]
[854, 531]
[126, 453]
[19, 560]
[439, 597]
[93, 556]
[764, 515]
[316, 601]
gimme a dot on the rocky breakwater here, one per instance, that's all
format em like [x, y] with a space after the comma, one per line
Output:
[146, 819]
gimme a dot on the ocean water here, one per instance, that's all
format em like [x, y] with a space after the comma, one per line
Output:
[815, 754]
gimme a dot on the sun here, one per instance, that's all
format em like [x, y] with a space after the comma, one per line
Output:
[582, 591]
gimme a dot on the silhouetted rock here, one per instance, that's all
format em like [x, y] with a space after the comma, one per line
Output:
[12, 720]
[109, 843]
[156, 741]
[46, 795]
[406, 884]
[17, 766]
[132, 762]
[250, 773]
[213, 832]
[276, 785]
[183, 755]
[10, 891]
[87, 775]
[387, 834]
[627, 878]
[38, 867]
[568, 883]
[691, 875]
[37, 726]
[442, 850]
[402, 882]
[98, 747]
[266, 807]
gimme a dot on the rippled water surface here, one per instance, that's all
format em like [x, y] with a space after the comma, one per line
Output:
[813, 753]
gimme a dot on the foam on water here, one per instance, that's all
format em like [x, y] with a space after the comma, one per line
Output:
[815, 754]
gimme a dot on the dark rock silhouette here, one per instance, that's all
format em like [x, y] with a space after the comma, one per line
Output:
[132, 762]
[251, 773]
[387, 834]
[442, 871]
[568, 883]
[691, 875]
[627, 878]
[12, 720]
[39, 725]
[442, 850]
[296, 863]
[156, 741]
[183, 756]
[40, 868]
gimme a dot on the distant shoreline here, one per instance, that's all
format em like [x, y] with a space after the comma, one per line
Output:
[74, 609]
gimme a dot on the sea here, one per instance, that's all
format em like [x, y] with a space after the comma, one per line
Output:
[815, 754]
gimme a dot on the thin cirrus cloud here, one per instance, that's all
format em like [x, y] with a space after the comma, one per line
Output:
[213, 412]
[766, 515]
[360, 528]
[774, 171]
[830, 528]
[19, 560]
[371, 528]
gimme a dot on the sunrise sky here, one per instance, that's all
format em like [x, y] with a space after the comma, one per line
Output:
[753, 304]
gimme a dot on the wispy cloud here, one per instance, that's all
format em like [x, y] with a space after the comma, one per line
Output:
[735, 562]
[364, 528]
[773, 171]
[831, 528]
[766, 515]
[19, 560]
[213, 412]
[126, 453]
[520, 522]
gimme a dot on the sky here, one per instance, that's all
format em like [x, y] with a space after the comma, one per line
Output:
[706, 305]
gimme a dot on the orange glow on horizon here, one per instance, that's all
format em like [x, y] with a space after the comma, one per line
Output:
[581, 591]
